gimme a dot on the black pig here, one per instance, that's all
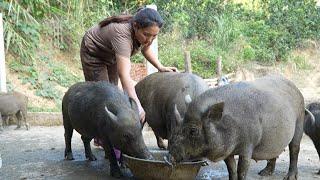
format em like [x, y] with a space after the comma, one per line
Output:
[99, 109]
[255, 120]
[160, 92]
[312, 125]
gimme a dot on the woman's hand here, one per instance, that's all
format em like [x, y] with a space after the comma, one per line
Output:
[150, 56]
[168, 69]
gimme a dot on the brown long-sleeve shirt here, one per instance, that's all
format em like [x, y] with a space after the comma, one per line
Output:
[115, 38]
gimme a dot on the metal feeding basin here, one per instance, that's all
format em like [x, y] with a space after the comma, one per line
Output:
[160, 168]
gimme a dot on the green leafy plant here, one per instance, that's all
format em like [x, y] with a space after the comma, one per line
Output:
[62, 76]
[266, 31]
[48, 90]
[301, 62]
[280, 25]
[21, 30]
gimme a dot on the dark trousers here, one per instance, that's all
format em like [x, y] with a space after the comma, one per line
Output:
[97, 69]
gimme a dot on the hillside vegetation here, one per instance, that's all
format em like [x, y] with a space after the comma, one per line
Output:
[42, 38]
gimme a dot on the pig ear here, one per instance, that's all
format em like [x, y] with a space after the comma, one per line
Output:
[111, 115]
[134, 105]
[187, 99]
[177, 115]
[215, 111]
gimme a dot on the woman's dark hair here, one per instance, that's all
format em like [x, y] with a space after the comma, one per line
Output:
[145, 17]
[115, 19]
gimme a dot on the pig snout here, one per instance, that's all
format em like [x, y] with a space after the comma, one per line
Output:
[148, 155]
[171, 159]
[177, 154]
[145, 154]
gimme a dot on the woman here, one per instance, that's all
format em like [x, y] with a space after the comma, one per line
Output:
[107, 47]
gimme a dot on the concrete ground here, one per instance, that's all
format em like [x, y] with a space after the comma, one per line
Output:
[39, 154]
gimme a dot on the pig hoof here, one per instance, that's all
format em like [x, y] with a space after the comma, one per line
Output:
[69, 157]
[318, 172]
[27, 126]
[266, 172]
[291, 177]
[18, 127]
[116, 173]
[126, 172]
[91, 157]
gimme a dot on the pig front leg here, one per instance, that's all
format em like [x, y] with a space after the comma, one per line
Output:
[1, 122]
[19, 119]
[243, 166]
[68, 131]
[269, 169]
[317, 145]
[114, 167]
[87, 148]
[232, 167]
[5, 120]
[244, 163]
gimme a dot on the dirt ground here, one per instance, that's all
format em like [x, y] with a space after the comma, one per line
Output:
[39, 154]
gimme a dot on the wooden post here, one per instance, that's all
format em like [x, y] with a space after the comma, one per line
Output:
[154, 46]
[187, 62]
[3, 86]
[219, 67]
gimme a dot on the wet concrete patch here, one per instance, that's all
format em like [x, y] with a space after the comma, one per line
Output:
[39, 154]
[213, 171]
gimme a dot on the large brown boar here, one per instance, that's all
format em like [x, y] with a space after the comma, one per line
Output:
[255, 120]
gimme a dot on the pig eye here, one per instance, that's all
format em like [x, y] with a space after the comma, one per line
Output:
[127, 137]
[193, 132]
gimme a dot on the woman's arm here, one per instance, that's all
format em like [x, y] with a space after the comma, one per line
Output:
[124, 67]
[150, 56]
